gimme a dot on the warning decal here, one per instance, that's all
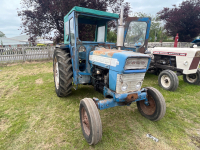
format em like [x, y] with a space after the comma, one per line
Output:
[170, 53]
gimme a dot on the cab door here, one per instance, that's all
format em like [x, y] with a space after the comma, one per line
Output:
[136, 34]
[72, 46]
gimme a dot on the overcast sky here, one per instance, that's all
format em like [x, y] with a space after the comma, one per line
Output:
[10, 22]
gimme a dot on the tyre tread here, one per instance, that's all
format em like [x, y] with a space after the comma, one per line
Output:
[162, 103]
[65, 72]
[173, 77]
[198, 76]
[95, 120]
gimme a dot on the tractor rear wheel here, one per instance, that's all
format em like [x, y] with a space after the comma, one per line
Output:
[192, 78]
[168, 80]
[156, 108]
[90, 121]
[62, 69]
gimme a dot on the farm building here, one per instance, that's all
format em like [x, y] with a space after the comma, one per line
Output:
[21, 40]
[14, 41]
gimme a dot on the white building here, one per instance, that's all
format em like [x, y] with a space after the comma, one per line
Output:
[14, 41]
[21, 41]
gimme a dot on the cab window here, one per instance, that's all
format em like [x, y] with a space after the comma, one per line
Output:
[136, 33]
[101, 34]
[72, 36]
[67, 30]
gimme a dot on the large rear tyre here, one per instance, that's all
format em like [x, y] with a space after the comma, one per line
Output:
[156, 108]
[168, 80]
[192, 78]
[62, 69]
[90, 121]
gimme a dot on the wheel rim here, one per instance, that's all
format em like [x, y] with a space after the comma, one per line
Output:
[56, 73]
[85, 121]
[165, 81]
[151, 108]
[191, 78]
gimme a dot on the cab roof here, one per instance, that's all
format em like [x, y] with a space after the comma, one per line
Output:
[92, 11]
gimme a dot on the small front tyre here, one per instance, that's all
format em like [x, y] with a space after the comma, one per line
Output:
[90, 121]
[156, 108]
[192, 78]
[168, 80]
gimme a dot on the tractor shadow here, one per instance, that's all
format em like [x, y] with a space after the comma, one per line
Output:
[83, 91]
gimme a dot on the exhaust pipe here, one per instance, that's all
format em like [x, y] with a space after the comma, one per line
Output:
[120, 30]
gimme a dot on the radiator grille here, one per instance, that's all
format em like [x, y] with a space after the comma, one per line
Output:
[136, 63]
[131, 80]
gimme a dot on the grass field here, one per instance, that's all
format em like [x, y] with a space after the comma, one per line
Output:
[33, 117]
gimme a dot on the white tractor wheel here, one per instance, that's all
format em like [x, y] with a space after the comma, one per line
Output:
[168, 80]
[192, 78]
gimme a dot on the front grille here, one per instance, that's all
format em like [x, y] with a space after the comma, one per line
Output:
[136, 63]
[131, 80]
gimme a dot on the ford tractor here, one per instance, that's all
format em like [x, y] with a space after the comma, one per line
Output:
[169, 63]
[111, 68]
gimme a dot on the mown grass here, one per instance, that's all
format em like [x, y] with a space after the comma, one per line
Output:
[33, 117]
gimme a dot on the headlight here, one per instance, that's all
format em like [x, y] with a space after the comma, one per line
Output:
[136, 63]
[82, 49]
[124, 87]
[197, 54]
[185, 63]
[138, 85]
[194, 46]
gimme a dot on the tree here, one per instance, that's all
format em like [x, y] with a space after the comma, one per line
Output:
[42, 17]
[183, 19]
[112, 36]
[157, 31]
[2, 34]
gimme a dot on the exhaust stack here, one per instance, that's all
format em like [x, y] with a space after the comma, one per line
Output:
[120, 30]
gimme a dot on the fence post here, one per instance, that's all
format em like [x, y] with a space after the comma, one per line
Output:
[23, 53]
[48, 49]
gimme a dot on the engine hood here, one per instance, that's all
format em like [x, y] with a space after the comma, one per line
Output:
[112, 59]
[174, 51]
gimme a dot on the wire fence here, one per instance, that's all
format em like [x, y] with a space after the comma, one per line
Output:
[21, 54]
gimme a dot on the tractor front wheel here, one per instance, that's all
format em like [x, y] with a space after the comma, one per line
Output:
[90, 121]
[62, 69]
[192, 78]
[155, 109]
[168, 80]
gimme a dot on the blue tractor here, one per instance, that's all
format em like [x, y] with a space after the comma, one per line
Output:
[116, 70]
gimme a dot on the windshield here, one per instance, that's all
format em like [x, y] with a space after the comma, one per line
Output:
[136, 33]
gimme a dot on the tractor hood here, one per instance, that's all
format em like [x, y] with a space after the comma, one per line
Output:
[174, 51]
[113, 59]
